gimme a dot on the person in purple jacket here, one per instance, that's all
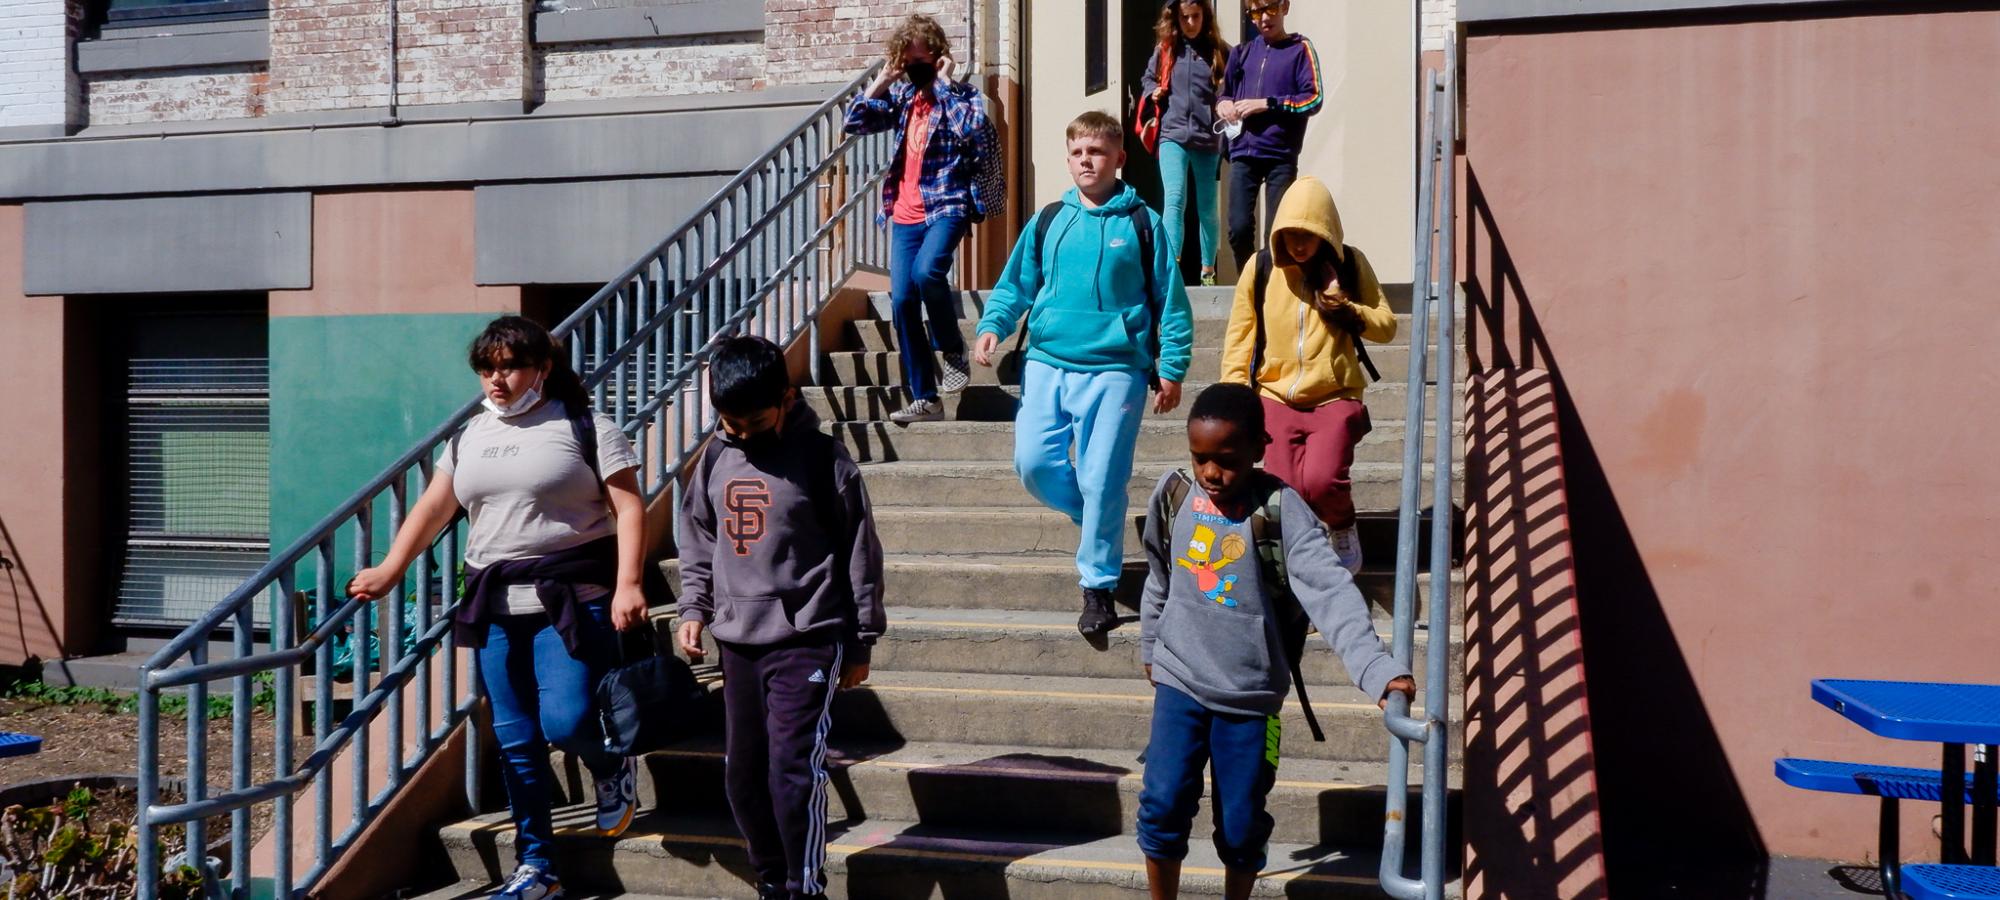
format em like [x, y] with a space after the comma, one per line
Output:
[1271, 85]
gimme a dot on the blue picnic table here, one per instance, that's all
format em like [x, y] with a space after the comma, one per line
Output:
[1951, 715]
[13, 744]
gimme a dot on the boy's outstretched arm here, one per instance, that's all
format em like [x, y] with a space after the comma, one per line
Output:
[1011, 296]
[864, 571]
[1176, 313]
[697, 553]
[1156, 536]
[1327, 592]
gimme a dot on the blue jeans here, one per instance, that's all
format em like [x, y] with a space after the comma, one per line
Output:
[1098, 413]
[919, 286]
[541, 695]
[1241, 753]
[1176, 161]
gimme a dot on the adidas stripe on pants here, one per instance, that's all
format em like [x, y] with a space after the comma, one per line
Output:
[779, 705]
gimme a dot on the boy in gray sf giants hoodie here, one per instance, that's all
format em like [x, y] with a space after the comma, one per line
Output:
[779, 558]
[1215, 621]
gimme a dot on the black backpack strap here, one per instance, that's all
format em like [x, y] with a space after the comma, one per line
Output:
[1267, 535]
[1347, 271]
[583, 427]
[1044, 220]
[1142, 222]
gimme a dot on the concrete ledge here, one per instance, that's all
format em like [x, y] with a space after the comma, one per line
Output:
[700, 19]
[236, 242]
[1475, 11]
[142, 51]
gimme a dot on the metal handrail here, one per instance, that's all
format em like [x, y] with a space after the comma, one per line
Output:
[763, 255]
[1434, 293]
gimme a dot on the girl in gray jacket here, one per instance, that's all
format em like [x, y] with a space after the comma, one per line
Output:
[1184, 73]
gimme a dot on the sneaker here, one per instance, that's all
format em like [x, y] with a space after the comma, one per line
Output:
[1347, 546]
[1100, 613]
[530, 883]
[767, 892]
[919, 411]
[617, 798]
[955, 375]
[1208, 278]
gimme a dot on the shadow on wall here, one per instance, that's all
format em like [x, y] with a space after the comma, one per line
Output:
[1532, 820]
[1675, 820]
[27, 629]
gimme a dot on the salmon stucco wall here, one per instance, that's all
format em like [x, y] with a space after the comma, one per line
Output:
[48, 493]
[372, 357]
[1754, 254]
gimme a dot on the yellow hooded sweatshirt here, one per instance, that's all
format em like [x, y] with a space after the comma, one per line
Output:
[1306, 363]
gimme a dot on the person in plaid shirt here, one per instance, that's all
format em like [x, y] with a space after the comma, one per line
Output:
[931, 203]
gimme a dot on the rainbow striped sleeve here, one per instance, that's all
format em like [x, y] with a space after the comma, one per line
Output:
[1306, 103]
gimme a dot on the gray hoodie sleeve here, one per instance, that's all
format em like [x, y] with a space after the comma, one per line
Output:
[697, 548]
[864, 560]
[1327, 592]
[1150, 82]
[1154, 539]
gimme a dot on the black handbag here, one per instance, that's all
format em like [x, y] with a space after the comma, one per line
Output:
[648, 701]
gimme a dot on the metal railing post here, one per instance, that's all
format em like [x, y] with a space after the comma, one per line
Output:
[1437, 686]
[149, 785]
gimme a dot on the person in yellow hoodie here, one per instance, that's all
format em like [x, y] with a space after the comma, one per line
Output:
[1320, 297]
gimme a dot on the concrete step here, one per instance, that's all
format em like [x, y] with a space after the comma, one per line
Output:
[1158, 439]
[1386, 402]
[480, 889]
[1022, 642]
[887, 860]
[1063, 712]
[873, 337]
[1084, 792]
[1376, 486]
[999, 530]
[1047, 582]
[1206, 303]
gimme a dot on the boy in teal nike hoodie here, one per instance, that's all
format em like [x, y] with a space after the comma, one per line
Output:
[1095, 303]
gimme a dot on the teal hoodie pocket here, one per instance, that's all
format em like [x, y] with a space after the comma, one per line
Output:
[1087, 337]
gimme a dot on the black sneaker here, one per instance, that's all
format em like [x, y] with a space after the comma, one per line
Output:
[767, 892]
[1100, 613]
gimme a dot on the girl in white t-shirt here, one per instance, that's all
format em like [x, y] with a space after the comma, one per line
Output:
[554, 560]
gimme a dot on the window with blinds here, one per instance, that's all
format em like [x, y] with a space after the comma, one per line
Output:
[197, 439]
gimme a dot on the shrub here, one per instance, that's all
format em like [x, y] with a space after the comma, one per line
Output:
[74, 848]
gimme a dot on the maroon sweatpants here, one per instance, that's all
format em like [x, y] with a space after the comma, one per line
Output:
[1313, 449]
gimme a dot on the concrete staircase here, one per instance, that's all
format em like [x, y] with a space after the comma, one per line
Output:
[994, 753]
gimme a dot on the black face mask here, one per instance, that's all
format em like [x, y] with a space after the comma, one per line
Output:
[921, 73]
[757, 444]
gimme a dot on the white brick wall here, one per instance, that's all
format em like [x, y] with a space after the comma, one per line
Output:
[815, 41]
[628, 69]
[461, 51]
[35, 81]
[1440, 21]
[182, 95]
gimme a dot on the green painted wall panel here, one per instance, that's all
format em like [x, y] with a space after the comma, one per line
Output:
[348, 395]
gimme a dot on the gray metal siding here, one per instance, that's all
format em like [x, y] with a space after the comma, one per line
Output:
[236, 242]
[577, 232]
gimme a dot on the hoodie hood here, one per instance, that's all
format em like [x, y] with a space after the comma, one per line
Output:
[1121, 202]
[1308, 206]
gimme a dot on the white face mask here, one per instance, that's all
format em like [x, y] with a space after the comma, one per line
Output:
[521, 404]
[1230, 130]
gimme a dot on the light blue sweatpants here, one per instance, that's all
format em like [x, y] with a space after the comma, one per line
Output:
[1098, 413]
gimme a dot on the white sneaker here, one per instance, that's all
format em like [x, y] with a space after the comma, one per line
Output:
[530, 883]
[1347, 546]
[955, 375]
[617, 799]
[919, 411]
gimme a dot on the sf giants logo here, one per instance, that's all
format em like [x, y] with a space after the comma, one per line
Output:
[747, 522]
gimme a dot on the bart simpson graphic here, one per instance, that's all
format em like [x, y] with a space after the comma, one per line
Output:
[1206, 561]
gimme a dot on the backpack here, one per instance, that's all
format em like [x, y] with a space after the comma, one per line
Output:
[1142, 222]
[1349, 272]
[1267, 535]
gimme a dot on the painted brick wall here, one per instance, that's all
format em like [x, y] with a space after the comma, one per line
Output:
[650, 69]
[462, 51]
[813, 41]
[181, 95]
[328, 55]
[1440, 22]
[36, 86]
